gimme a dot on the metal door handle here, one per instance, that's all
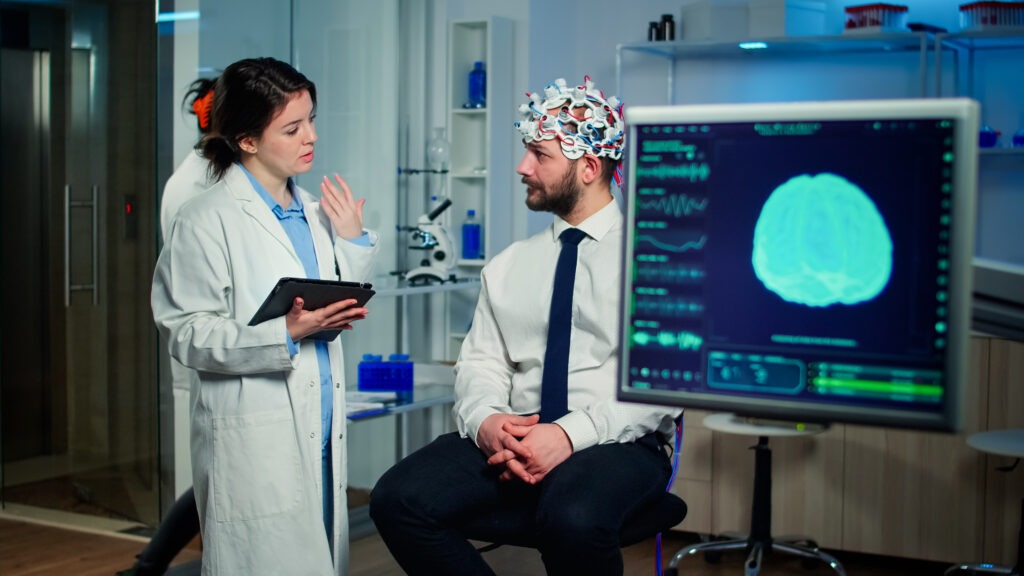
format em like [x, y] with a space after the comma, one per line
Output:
[92, 205]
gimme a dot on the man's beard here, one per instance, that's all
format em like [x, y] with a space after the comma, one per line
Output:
[559, 200]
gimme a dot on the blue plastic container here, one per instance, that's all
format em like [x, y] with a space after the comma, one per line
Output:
[1018, 139]
[394, 375]
[987, 137]
[477, 86]
[472, 248]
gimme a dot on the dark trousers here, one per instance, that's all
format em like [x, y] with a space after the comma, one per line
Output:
[179, 527]
[421, 503]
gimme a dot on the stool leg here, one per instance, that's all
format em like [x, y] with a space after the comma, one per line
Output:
[753, 565]
[812, 554]
[1020, 542]
[761, 511]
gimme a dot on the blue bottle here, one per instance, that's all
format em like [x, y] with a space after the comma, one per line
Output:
[471, 236]
[987, 137]
[477, 86]
[1018, 139]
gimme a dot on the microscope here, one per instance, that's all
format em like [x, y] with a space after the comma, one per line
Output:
[429, 236]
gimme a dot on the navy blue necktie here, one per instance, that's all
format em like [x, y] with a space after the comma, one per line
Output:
[554, 389]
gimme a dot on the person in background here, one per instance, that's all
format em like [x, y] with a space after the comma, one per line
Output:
[191, 178]
[268, 417]
[539, 426]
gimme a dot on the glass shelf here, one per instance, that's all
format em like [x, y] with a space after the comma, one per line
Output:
[994, 39]
[1001, 152]
[751, 49]
[880, 42]
[393, 286]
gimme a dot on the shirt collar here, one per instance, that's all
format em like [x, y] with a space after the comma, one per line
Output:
[597, 225]
[294, 209]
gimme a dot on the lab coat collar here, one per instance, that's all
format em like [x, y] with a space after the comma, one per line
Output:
[252, 204]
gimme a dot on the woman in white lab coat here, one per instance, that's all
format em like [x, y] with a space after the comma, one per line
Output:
[268, 415]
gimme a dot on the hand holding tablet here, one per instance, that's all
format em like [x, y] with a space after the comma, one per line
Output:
[315, 294]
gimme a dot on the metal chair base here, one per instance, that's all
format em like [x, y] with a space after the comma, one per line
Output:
[755, 555]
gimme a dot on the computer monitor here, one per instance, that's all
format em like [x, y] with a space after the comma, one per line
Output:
[801, 262]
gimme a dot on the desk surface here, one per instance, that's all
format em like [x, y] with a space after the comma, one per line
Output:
[422, 396]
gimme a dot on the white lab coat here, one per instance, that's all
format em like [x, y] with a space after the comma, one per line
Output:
[190, 179]
[256, 433]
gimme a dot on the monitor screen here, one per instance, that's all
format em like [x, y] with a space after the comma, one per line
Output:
[801, 262]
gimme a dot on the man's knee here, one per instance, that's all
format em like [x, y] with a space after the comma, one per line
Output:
[388, 499]
[578, 527]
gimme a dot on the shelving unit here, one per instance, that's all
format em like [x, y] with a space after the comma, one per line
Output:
[968, 44]
[480, 176]
[1000, 170]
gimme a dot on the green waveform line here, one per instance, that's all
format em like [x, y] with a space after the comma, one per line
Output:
[676, 205]
[665, 339]
[685, 247]
[691, 172]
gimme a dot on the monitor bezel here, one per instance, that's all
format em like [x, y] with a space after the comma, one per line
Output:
[964, 113]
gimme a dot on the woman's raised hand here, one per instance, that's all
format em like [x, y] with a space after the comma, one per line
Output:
[345, 212]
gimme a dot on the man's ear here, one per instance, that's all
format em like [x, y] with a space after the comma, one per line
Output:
[590, 168]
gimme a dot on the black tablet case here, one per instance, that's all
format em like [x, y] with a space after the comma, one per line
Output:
[315, 294]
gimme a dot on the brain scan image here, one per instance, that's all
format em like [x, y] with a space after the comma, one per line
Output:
[821, 241]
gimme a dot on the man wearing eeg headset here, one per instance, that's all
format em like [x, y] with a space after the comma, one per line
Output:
[576, 457]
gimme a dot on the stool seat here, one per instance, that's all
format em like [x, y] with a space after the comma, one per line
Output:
[515, 526]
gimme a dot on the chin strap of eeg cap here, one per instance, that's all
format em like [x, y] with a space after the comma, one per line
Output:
[582, 120]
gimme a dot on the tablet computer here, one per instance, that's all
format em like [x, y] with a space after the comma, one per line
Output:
[315, 294]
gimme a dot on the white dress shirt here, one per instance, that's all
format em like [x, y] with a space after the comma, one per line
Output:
[501, 364]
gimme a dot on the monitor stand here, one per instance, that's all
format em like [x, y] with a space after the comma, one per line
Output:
[759, 542]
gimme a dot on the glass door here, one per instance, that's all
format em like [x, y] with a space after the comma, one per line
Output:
[78, 378]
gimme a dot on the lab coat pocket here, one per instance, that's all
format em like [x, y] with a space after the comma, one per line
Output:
[256, 466]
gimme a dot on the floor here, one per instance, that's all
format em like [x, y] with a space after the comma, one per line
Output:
[27, 548]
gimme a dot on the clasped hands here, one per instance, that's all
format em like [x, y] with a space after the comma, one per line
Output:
[524, 448]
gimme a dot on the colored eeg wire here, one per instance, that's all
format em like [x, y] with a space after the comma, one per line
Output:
[599, 132]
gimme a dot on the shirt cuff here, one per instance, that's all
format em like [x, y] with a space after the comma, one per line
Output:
[363, 240]
[293, 348]
[580, 430]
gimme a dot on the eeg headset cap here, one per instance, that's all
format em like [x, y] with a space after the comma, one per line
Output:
[600, 130]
